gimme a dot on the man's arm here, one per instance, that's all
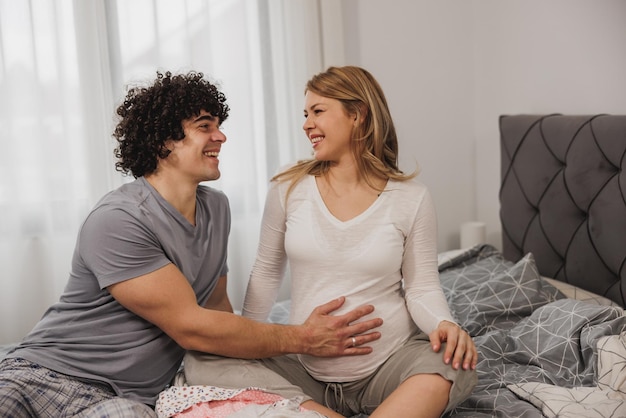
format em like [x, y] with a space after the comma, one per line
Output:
[165, 298]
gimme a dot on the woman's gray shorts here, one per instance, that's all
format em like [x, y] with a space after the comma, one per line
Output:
[286, 377]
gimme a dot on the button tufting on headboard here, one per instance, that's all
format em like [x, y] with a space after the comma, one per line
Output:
[563, 197]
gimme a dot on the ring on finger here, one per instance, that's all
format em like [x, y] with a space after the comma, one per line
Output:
[353, 342]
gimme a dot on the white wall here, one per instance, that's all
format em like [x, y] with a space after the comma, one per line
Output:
[450, 68]
[534, 56]
[421, 53]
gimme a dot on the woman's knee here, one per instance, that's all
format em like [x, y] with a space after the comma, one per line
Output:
[430, 386]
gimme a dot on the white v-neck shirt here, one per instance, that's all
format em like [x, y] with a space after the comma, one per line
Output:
[366, 259]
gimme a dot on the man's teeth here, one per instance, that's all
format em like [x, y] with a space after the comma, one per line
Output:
[211, 153]
[317, 139]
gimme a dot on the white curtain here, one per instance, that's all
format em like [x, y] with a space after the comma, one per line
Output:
[65, 66]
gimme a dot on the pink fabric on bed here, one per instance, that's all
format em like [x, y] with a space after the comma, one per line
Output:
[223, 408]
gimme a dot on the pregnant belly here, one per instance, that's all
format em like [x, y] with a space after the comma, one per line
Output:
[396, 329]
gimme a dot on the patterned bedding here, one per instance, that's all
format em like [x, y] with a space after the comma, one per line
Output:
[540, 352]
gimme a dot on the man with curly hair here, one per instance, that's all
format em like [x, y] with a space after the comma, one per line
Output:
[148, 275]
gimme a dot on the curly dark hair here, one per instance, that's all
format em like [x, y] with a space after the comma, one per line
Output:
[152, 115]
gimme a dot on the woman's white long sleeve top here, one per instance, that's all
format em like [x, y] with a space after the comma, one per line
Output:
[386, 256]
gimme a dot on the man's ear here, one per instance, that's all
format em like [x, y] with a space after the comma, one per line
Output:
[171, 144]
[166, 149]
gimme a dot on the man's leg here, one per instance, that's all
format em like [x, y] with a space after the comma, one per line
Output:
[30, 390]
[118, 408]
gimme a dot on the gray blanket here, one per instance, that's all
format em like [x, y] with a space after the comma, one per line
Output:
[525, 331]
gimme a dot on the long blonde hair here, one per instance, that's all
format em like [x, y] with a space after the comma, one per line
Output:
[374, 142]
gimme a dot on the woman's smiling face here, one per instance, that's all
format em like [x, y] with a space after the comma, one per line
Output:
[328, 126]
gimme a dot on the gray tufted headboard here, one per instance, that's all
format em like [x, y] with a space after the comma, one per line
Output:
[563, 197]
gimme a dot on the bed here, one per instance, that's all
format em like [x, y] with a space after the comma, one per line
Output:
[547, 310]
[546, 313]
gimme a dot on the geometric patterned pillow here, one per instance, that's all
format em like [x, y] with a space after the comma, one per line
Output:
[492, 293]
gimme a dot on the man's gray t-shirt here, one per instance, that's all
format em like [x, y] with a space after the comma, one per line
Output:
[132, 231]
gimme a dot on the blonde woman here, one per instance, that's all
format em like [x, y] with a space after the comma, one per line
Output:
[350, 223]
